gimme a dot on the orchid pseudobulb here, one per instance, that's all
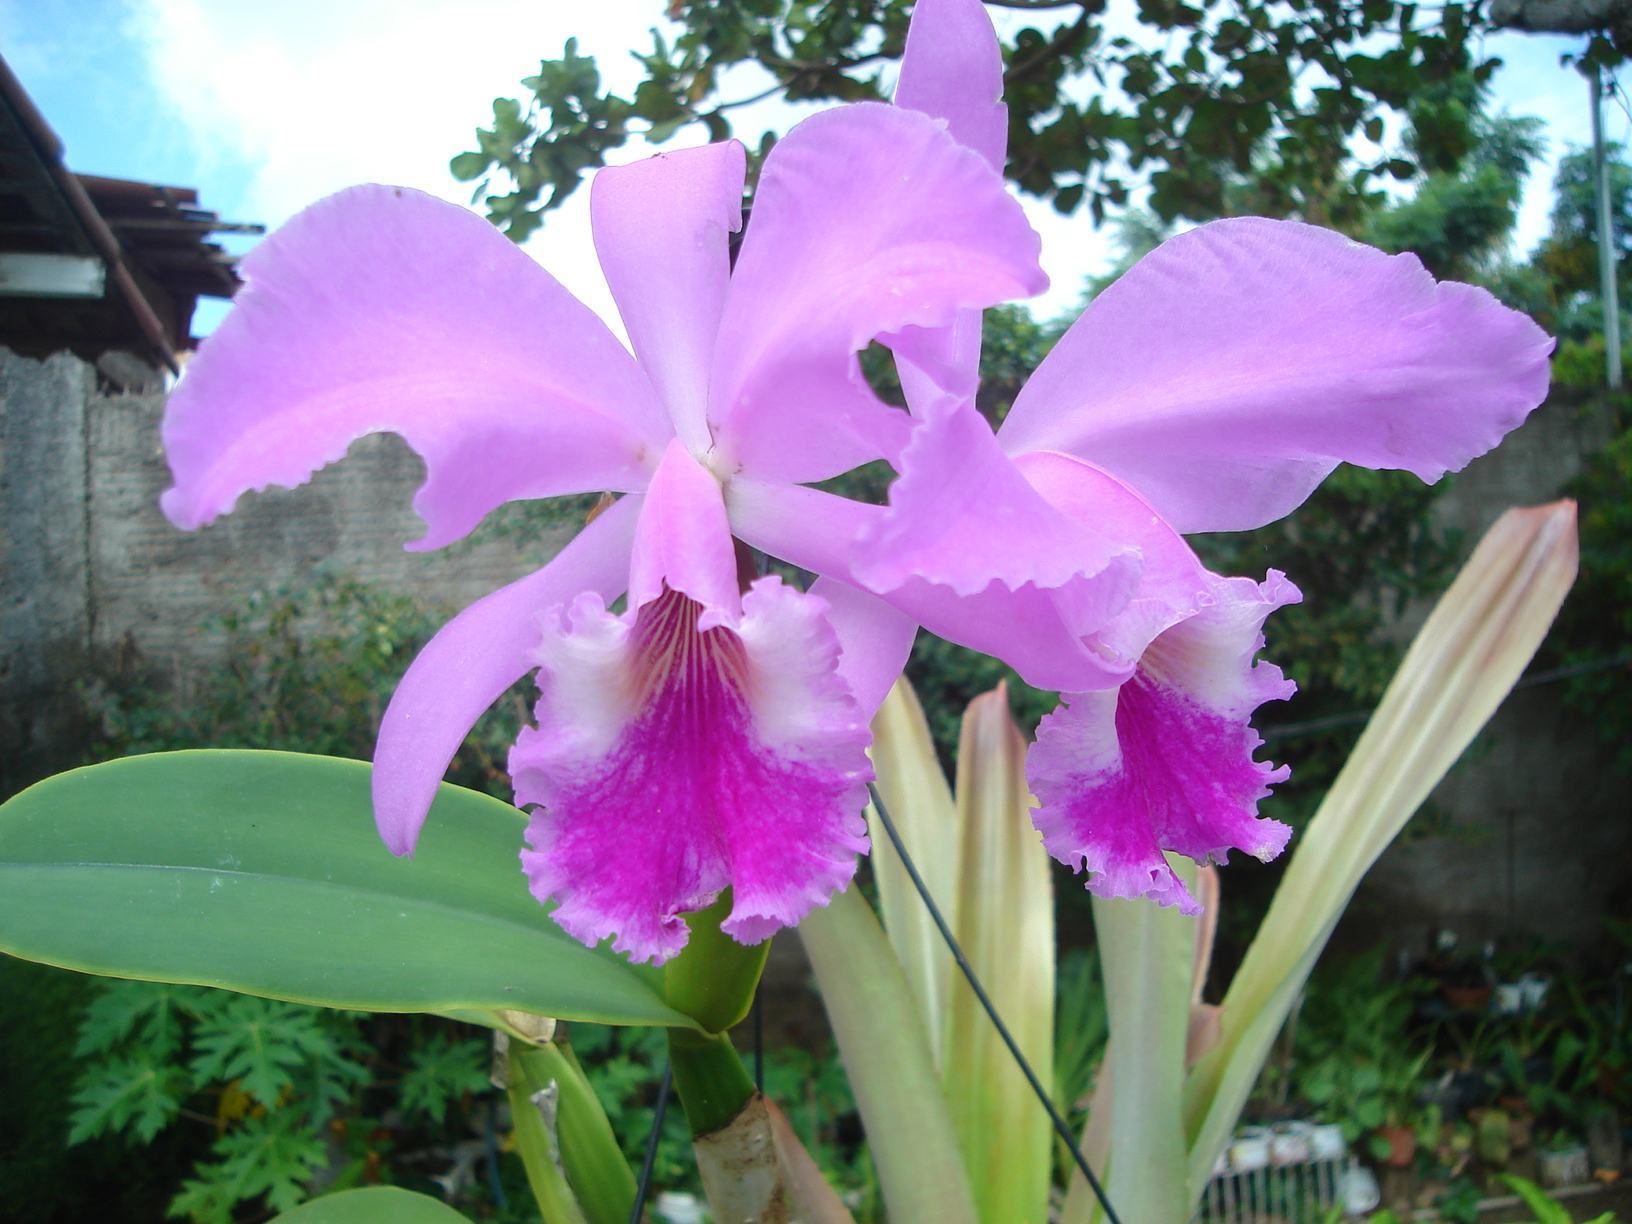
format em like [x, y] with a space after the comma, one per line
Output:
[706, 737]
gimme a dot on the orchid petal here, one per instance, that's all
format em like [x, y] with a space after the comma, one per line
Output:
[962, 516]
[1040, 633]
[683, 542]
[671, 761]
[1166, 761]
[874, 641]
[661, 230]
[382, 309]
[952, 70]
[1230, 370]
[868, 219]
[472, 660]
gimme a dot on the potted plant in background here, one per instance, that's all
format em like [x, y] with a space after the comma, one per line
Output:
[1562, 1160]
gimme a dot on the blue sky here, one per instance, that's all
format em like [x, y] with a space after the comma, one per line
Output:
[265, 107]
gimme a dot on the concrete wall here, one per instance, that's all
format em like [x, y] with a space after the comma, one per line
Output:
[89, 565]
[1532, 832]
[45, 603]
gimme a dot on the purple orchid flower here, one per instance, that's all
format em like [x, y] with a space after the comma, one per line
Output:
[707, 737]
[1212, 388]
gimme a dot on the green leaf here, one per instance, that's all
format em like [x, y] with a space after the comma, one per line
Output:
[259, 1043]
[1541, 1204]
[467, 167]
[444, 1069]
[880, 1035]
[147, 1014]
[373, 1205]
[261, 872]
[131, 1093]
[271, 1156]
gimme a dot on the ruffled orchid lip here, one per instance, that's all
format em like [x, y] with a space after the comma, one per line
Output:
[1167, 762]
[673, 759]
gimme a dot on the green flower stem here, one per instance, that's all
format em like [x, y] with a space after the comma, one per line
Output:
[714, 979]
[710, 1078]
[880, 1032]
[597, 1173]
[556, 1204]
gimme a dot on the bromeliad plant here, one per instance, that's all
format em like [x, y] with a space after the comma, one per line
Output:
[697, 775]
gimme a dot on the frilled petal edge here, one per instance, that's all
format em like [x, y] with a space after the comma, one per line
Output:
[1235, 366]
[1166, 762]
[672, 761]
[385, 310]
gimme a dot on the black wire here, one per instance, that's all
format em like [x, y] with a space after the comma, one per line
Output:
[644, 1186]
[1060, 1127]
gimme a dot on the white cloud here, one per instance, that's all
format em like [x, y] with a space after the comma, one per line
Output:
[315, 95]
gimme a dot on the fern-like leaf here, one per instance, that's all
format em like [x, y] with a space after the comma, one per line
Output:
[148, 1014]
[260, 1043]
[444, 1069]
[131, 1094]
[274, 1157]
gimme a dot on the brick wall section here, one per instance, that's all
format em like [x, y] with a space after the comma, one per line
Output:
[89, 564]
[154, 585]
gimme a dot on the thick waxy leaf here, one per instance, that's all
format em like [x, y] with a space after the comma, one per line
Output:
[1005, 926]
[374, 1205]
[261, 872]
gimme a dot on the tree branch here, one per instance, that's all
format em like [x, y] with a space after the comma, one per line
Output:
[1062, 39]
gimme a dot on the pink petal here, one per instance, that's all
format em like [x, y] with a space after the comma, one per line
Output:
[1165, 763]
[661, 230]
[868, 219]
[382, 309]
[962, 516]
[952, 70]
[472, 660]
[1039, 632]
[672, 761]
[874, 641]
[1230, 370]
[684, 542]
[1173, 583]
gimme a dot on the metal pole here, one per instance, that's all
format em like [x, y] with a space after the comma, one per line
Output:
[1606, 239]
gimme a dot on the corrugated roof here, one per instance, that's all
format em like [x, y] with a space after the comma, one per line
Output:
[153, 242]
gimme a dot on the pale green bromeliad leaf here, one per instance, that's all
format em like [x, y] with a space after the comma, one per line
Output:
[1005, 926]
[261, 872]
[1467, 656]
[919, 801]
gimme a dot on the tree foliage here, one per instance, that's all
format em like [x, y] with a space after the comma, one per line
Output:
[1189, 97]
